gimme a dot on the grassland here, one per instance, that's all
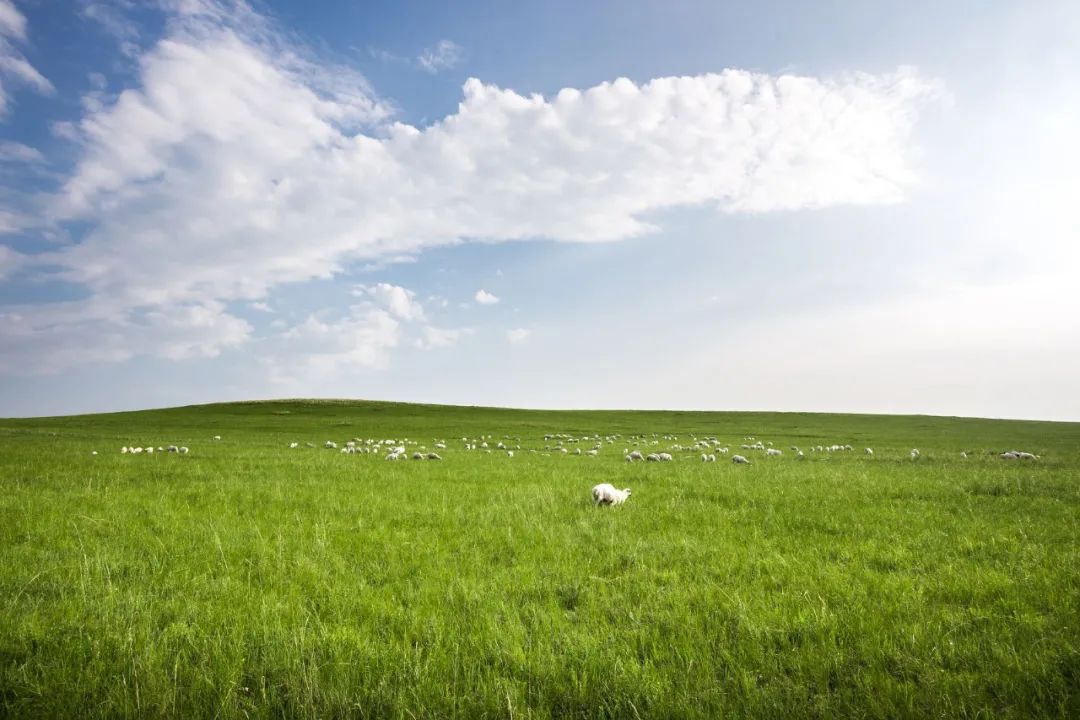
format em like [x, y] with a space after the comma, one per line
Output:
[249, 580]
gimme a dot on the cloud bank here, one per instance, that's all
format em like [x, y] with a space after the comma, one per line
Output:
[238, 163]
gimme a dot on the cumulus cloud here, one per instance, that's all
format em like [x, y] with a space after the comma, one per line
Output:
[485, 298]
[518, 335]
[444, 55]
[398, 301]
[51, 338]
[238, 162]
[317, 348]
[13, 66]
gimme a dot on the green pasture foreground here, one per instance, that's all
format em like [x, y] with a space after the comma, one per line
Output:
[245, 579]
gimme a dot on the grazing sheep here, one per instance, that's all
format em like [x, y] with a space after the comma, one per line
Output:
[172, 448]
[123, 450]
[593, 453]
[704, 457]
[800, 455]
[182, 450]
[634, 455]
[418, 456]
[914, 454]
[434, 456]
[773, 452]
[93, 452]
[509, 453]
[652, 457]
[217, 437]
[150, 450]
[607, 494]
[293, 445]
[739, 460]
[330, 445]
[868, 451]
[963, 455]
[711, 458]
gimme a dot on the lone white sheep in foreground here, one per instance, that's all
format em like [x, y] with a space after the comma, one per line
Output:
[739, 460]
[607, 494]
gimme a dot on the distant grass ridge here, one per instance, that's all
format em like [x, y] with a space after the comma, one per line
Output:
[247, 579]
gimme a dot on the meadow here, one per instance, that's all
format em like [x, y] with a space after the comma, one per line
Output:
[247, 579]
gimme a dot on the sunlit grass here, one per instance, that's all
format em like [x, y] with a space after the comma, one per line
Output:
[247, 579]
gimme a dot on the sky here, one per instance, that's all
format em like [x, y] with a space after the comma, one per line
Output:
[834, 207]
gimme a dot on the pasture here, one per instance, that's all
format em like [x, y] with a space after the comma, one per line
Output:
[247, 579]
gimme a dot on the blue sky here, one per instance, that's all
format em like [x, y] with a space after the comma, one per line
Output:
[864, 207]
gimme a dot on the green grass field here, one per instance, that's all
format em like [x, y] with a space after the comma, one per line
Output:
[245, 579]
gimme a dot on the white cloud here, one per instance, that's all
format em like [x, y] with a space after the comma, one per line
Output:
[485, 298]
[13, 66]
[13, 152]
[36, 340]
[398, 301]
[238, 162]
[319, 349]
[261, 307]
[444, 55]
[518, 335]
[435, 337]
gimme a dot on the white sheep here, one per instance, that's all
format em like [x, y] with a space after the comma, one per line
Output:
[330, 445]
[652, 457]
[773, 452]
[634, 455]
[607, 494]
[711, 458]
[915, 453]
[217, 437]
[182, 450]
[509, 453]
[665, 457]
[123, 450]
[868, 451]
[294, 445]
[739, 460]
[963, 455]
[434, 456]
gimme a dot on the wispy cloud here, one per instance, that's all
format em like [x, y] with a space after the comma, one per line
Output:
[444, 55]
[14, 67]
[518, 335]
